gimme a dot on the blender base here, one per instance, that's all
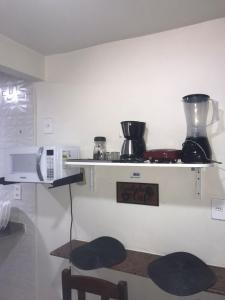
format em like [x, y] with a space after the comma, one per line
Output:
[196, 150]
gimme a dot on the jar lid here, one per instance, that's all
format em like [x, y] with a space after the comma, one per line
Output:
[99, 139]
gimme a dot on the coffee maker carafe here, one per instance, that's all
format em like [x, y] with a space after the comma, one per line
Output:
[133, 146]
[196, 148]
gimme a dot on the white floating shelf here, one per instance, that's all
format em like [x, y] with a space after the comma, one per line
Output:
[90, 163]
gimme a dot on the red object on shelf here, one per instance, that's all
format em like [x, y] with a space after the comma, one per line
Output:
[163, 155]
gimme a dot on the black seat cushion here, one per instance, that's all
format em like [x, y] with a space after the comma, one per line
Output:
[102, 252]
[181, 274]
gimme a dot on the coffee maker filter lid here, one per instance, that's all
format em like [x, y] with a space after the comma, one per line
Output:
[196, 98]
[99, 139]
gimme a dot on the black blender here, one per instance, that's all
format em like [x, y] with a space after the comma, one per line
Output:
[196, 148]
[133, 146]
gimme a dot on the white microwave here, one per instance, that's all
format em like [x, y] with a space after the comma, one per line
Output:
[39, 164]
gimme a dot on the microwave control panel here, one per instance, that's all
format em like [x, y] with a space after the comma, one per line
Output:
[50, 164]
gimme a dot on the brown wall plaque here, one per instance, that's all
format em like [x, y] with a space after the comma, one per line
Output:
[137, 193]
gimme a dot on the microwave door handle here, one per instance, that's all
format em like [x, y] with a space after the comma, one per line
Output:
[38, 163]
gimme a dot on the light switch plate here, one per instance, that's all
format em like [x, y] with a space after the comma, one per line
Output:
[218, 209]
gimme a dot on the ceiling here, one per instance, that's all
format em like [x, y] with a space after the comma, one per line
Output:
[56, 26]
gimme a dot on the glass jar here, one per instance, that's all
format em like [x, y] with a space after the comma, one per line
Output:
[99, 152]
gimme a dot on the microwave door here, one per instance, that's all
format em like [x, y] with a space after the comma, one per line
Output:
[23, 164]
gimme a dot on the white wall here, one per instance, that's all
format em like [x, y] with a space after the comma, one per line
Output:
[87, 93]
[20, 61]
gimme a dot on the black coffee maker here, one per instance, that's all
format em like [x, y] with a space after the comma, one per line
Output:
[133, 146]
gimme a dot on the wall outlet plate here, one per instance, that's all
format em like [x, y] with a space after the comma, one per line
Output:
[218, 209]
[138, 193]
[17, 191]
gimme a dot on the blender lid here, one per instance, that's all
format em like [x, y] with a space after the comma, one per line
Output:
[196, 98]
[133, 122]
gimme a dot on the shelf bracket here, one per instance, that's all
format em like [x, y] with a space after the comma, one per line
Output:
[67, 180]
[92, 178]
[198, 183]
[4, 182]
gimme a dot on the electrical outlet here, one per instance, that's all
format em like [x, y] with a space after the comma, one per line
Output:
[218, 209]
[17, 192]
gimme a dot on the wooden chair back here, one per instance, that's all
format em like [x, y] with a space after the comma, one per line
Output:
[85, 284]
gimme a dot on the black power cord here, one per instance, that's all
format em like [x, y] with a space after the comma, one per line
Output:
[71, 220]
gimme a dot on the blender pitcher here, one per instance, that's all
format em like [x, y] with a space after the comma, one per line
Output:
[196, 148]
